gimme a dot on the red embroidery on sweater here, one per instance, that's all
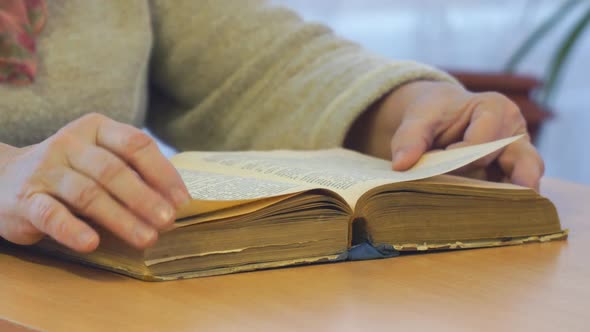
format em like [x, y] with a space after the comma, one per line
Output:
[21, 21]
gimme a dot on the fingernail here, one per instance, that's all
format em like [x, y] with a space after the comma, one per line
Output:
[180, 197]
[85, 238]
[165, 214]
[397, 158]
[144, 235]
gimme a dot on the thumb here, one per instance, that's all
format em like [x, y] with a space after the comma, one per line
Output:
[411, 140]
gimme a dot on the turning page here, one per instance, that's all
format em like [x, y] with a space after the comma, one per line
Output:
[234, 176]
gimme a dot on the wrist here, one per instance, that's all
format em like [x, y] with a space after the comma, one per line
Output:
[5, 149]
[372, 131]
[6, 152]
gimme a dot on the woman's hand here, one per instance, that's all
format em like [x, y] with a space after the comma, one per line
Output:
[94, 169]
[424, 115]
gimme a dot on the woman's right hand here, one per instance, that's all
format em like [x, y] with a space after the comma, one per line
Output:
[94, 169]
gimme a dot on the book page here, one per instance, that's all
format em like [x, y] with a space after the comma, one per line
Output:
[203, 185]
[346, 172]
[215, 191]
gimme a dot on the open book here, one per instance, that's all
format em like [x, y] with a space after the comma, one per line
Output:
[256, 210]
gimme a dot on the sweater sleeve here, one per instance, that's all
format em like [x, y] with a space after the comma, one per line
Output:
[237, 75]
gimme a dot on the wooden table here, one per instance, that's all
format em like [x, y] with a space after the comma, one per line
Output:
[536, 287]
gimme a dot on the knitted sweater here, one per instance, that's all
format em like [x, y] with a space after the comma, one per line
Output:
[206, 75]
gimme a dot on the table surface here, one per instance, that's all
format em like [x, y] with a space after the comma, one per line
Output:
[533, 287]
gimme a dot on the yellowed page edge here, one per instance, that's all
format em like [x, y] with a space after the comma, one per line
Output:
[196, 215]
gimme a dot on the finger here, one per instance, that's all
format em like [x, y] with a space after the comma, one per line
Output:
[121, 182]
[411, 140]
[494, 119]
[20, 231]
[87, 198]
[142, 153]
[486, 125]
[523, 164]
[527, 173]
[52, 218]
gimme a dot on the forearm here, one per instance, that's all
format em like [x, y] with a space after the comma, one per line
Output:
[263, 78]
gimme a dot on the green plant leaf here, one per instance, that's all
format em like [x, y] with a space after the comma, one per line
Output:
[537, 34]
[561, 55]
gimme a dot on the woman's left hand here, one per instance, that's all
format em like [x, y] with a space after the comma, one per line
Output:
[425, 115]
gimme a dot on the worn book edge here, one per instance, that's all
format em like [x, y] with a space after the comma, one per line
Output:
[509, 241]
[423, 247]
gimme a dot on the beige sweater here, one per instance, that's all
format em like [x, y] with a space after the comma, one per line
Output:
[201, 74]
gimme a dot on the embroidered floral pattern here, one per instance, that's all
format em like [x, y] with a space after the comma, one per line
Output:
[20, 23]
